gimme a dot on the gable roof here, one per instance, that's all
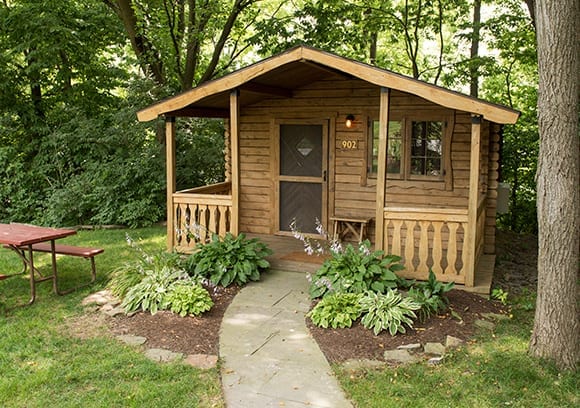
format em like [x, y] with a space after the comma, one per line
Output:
[280, 74]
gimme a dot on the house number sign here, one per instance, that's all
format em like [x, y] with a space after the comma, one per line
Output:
[349, 144]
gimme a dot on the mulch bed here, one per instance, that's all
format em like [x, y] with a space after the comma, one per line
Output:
[189, 335]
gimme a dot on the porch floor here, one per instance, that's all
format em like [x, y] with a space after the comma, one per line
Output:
[288, 254]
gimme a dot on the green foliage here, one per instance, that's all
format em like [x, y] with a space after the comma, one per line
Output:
[231, 260]
[338, 310]
[388, 311]
[430, 295]
[186, 298]
[356, 271]
[500, 295]
[150, 294]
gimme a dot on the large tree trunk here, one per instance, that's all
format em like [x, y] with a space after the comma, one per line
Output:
[557, 326]
[474, 54]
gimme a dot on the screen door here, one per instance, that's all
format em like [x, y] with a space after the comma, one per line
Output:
[302, 179]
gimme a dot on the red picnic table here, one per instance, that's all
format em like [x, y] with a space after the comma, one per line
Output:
[26, 239]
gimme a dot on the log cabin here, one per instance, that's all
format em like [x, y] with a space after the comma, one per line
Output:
[310, 135]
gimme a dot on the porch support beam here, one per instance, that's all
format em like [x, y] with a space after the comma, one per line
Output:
[382, 169]
[171, 187]
[235, 159]
[470, 243]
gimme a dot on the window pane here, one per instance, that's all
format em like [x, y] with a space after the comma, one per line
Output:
[394, 145]
[426, 148]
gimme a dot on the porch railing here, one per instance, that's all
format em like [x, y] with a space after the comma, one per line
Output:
[199, 213]
[427, 239]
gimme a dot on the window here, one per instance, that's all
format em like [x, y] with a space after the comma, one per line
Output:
[415, 150]
[426, 148]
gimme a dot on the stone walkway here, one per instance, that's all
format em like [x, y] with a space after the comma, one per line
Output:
[269, 358]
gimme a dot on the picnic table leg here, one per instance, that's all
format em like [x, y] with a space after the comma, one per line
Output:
[54, 274]
[32, 278]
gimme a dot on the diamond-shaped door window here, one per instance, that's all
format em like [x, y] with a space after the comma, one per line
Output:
[305, 147]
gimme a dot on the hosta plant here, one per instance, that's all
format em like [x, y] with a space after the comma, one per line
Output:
[149, 294]
[389, 311]
[356, 270]
[337, 310]
[430, 295]
[187, 299]
[132, 273]
[236, 260]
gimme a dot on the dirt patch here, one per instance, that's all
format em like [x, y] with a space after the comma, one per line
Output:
[515, 270]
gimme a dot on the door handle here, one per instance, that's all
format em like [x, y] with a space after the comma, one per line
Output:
[324, 176]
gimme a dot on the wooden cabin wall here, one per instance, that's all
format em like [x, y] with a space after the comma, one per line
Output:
[351, 192]
[492, 185]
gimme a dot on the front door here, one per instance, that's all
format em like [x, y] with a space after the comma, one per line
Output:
[302, 186]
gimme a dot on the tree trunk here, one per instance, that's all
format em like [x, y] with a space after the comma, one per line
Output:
[474, 66]
[556, 325]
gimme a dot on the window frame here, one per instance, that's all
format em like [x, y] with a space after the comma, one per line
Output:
[405, 178]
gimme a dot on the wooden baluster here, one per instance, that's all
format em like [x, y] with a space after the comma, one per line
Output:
[212, 220]
[410, 246]
[223, 220]
[437, 248]
[177, 231]
[202, 220]
[396, 248]
[452, 248]
[424, 246]
[463, 252]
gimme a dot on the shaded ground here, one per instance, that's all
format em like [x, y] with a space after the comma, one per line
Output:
[515, 270]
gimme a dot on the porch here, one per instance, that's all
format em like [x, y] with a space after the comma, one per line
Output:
[426, 238]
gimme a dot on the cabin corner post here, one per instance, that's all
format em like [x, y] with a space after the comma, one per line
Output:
[235, 159]
[470, 241]
[382, 169]
[171, 186]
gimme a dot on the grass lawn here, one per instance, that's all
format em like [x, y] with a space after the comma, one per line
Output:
[42, 364]
[491, 371]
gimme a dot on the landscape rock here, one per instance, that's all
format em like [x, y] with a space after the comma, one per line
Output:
[410, 347]
[359, 364]
[484, 324]
[132, 340]
[494, 316]
[434, 348]
[114, 311]
[101, 298]
[162, 356]
[400, 356]
[452, 342]
[435, 360]
[203, 361]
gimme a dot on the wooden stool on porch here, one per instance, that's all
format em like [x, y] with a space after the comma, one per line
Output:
[345, 225]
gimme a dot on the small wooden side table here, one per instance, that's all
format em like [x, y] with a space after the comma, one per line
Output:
[346, 225]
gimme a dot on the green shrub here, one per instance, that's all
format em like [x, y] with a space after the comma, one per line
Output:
[236, 260]
[356, 271]
[187, 298]
[337, 310]
[389, 311]
[430, 295]
[149, 294]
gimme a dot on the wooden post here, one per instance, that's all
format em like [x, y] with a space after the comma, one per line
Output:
[235, 159]
[382, 169]
[470, 241]
[170, 163]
